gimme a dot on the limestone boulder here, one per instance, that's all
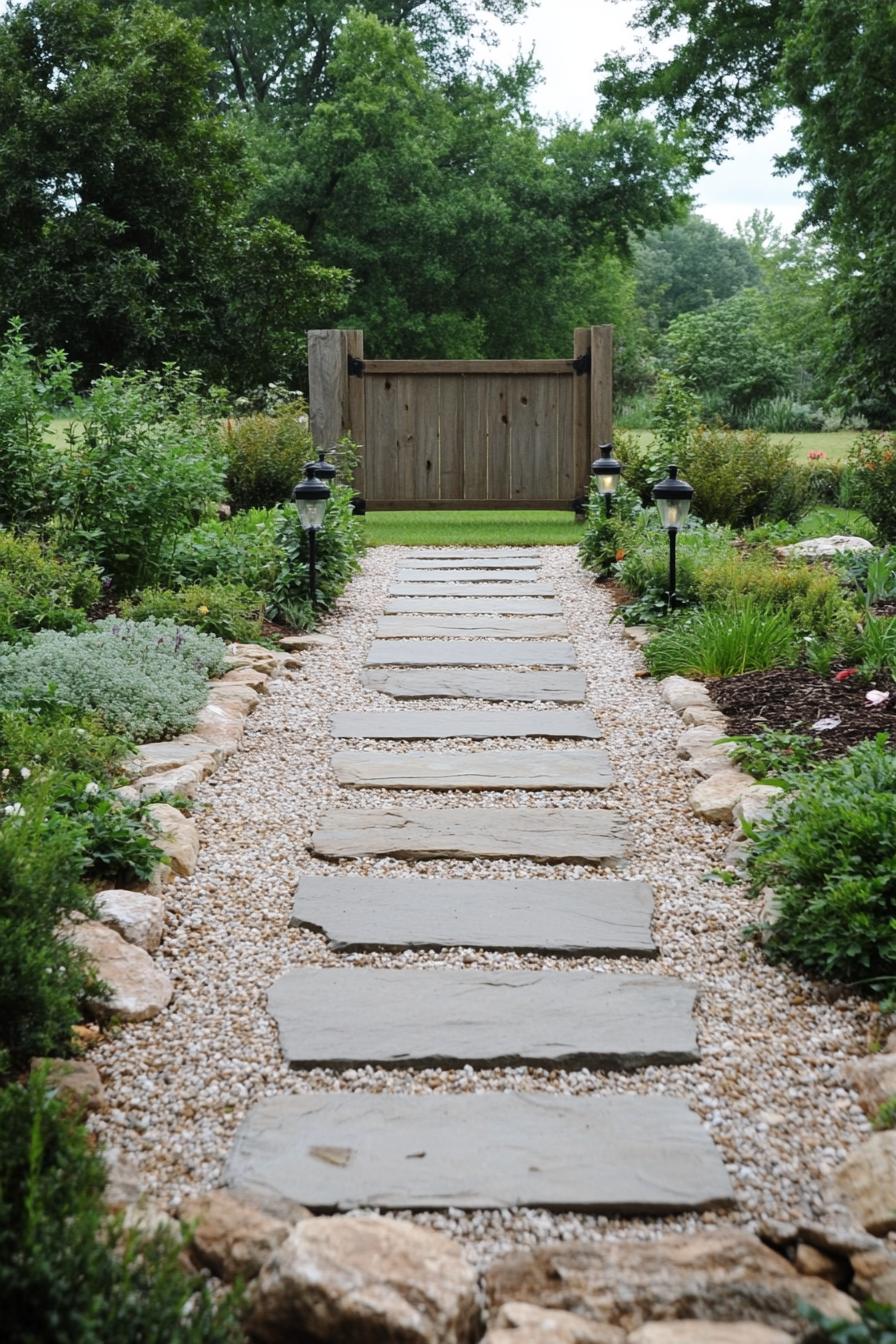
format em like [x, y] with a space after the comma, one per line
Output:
[220, 728]
[521, 1323]
[698, 716]
[756, 803]
[247, 676]
[700, 740]
[810, 1260]
[76, 1081]
[715, 798]
[874, 1274]
[292, 643]
[154, 758]
[231, 1238]
[137, 915]
[680, 693]
[719, 1277]
[177, 838]
[867, 1183]
[138, 989]
[184, 780]
[639, 634]
[124, 1183]
[874, 1080]
[708, 1332]
[823, 548]
[236, 699]
[362, 1281]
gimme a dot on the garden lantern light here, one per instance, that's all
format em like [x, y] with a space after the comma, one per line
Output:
[606, 471]
[310, 498]
[323, 470]
[673, 501]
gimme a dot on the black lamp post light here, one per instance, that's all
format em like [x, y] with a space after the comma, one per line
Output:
[323, 470]
[606, 471]
[310, 498]
[673, 500]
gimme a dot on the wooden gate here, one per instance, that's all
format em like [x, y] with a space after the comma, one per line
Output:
[464, 434]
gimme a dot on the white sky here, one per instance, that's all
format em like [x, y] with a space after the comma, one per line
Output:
[571, 36]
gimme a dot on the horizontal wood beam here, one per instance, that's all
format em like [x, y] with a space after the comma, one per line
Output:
[381, 505]
[468, 366]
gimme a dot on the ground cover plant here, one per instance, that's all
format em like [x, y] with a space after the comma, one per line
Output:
[231, 611]
[68, 1270]
[39, 590]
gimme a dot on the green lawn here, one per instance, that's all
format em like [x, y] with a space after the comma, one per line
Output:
[473, 527]
[835, 445]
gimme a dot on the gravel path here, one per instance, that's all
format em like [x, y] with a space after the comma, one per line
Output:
[768, 1086]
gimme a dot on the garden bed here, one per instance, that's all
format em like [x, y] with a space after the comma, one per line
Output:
[793, 698]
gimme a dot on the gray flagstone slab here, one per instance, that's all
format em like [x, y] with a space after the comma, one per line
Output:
[623, 1155]
[511, 578]
[457, 627]
[469, 653]
[456, 588]
[459, 606]
[474, 553]
[406, 724]
[347, 1016]
[473, 562]
[527, 768]
[554, 834]
[476, 684]
[584, 918]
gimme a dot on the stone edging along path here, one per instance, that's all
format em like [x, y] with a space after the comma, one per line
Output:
[768, 1086]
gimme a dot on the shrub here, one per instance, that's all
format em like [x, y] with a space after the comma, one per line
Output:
[829, 858]
[229, 610]
[735, 474]
[726, 353]
[873, 647]
[44, 734]
[723, 641]
[811, 593]
[873, 459]
[242, 549]
[266, 455]
[144, 464]
[602, 544]
[41, 977]
[67, 1270]
[823, 521]
[39, 591]
[30, 389]
[870, 573]
[146, 679]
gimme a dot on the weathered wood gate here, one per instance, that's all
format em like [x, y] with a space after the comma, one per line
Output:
[464, 434]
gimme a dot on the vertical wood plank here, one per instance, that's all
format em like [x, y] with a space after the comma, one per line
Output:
[356, 426]
[580, 446]
[382, 435]
[567, 483]
[327, 386]
[500, 412]
[406, 436]
[476, 444]
[424, 395]
[451, 440]
[601, 385]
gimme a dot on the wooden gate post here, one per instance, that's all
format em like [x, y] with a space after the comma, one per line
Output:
[581, 415]
[601, 385]
[335, 396]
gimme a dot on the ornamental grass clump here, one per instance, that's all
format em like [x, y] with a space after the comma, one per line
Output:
[828, 857]
[146, 680]
[722, 641]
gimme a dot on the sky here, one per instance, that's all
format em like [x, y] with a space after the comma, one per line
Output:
[571, 36]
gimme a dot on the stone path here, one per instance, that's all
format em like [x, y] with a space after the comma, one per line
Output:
[590, 917]
[625, 1154]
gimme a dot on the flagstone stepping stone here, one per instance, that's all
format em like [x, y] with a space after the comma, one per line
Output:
[476, 684]
[406, 724]
[552, 833]
[344, 1017]
[455, 588]
[456, 627]
[523, 769]
[416, 574]
[457, 606]
[468, 653]
[473, 562]
[627, 1155]
[585, 918]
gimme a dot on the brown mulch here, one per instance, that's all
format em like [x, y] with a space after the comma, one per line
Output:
[793, 698]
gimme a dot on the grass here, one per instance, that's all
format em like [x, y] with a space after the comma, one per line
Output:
[473, 527]
[834, 445]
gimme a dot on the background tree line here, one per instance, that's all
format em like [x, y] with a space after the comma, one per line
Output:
[200, 181]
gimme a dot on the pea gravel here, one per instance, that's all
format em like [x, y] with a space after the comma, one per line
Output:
[768, 1086]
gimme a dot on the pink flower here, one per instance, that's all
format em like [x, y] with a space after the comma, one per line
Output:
[846, 674]
[816, 455]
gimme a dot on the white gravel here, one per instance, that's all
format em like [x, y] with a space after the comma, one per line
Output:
[768, 1085]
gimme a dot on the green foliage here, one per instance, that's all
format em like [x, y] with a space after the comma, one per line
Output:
[735, 473]
[229, 610]
[602, 545]
[68, 1271]
[726, 353]
[145, 462]
[689, 266]
[266, 456]
[885, 1115]
[873, 459]
[775, 754]
[40, 591]
[241, 550]
[42, 977]
[811, 594]
[722, 641]
[871, 573]
[30, 390]
[818, 522]
[145, 680]
[877, 1325]
[340, 543]
[45, 735]
[828, 858]
[873, 647]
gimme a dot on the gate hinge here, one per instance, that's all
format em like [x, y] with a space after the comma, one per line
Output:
[355, 366]
[582, 363]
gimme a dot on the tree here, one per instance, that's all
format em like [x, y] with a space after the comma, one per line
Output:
[689, 266]
[463, 227]
[121, 197]
[726, 354]
[279, 51]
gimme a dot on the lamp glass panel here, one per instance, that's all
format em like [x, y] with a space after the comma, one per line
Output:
[311, 512]
[606, 482]
[673, 512]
